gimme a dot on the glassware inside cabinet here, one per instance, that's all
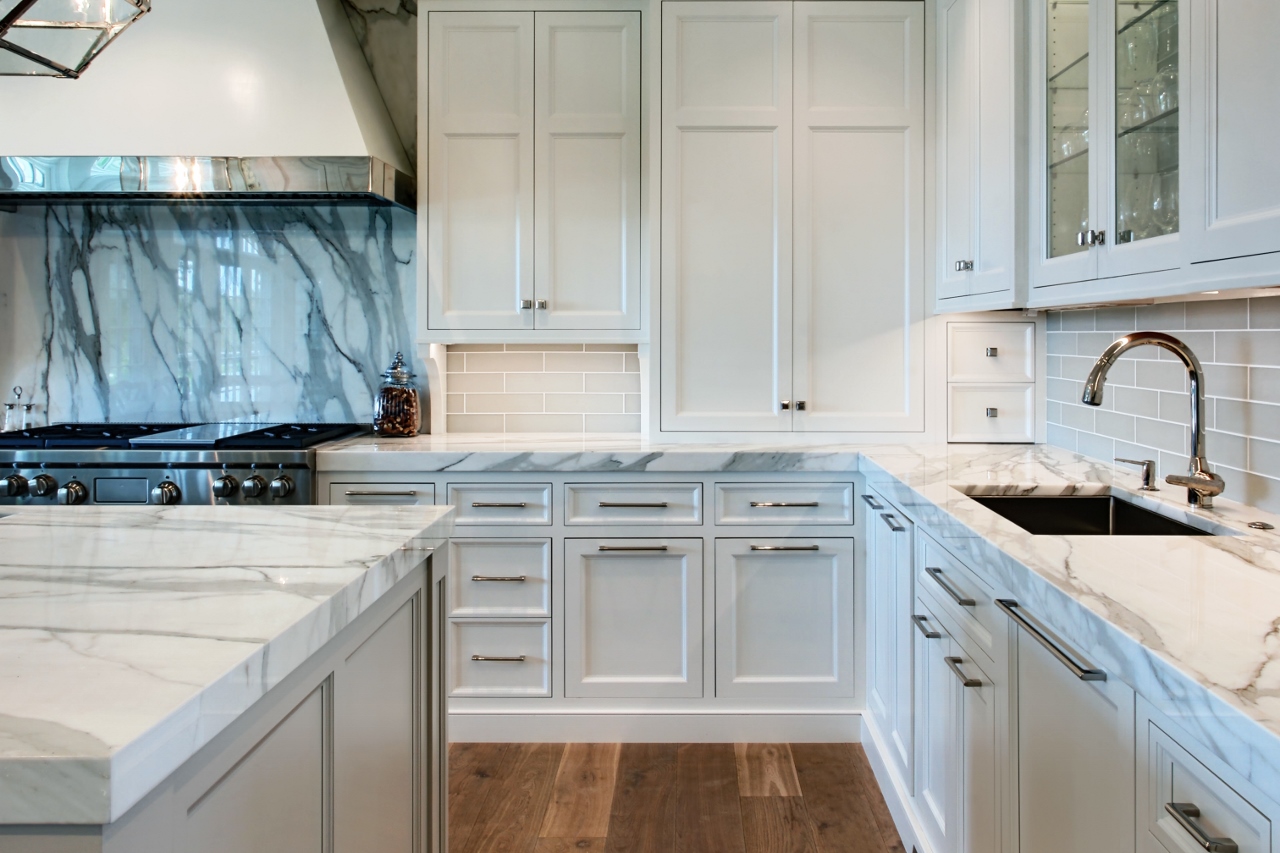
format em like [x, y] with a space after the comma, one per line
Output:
[1068, 131]
[1147, 100]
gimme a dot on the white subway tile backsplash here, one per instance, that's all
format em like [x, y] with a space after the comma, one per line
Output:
[543, 388]
[1264, 313]
[1218, 314]
[1169, 317]
[1264, 384]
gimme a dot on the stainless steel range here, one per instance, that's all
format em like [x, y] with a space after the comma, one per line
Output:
[218, 463]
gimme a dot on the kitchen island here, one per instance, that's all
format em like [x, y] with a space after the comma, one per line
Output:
[217, 678]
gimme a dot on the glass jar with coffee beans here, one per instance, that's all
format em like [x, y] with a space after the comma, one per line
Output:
[397, 410]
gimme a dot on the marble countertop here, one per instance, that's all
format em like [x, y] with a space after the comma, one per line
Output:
[1192, 623]
[129, 637]
[479, 453]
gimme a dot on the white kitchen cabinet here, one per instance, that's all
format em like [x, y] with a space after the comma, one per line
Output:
[784, 618]
[889, 588]
[981, 156]
[533, 172]
[633, 618]
[1074, 747]
[1235, 102]
[774, 316]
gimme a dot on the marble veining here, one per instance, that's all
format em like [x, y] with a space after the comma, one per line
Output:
[130, 637]
[387, 31]
[207, 312]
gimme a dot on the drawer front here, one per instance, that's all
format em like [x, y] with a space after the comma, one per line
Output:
[487, 658]
[382, 494]
[784, 503]
[482, 503]
[633, 503]
[500, 577]
[1209, 807]
[992, 414]
[991, 352]
[961, 595]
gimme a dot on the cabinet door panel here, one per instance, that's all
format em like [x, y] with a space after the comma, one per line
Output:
[726, 245]
[480, 170]
[890, 599]
[633, 618]
[1235, 193]
[784, 619]
[587, 154]
[859, 216]
[957, 105]
[938, 736]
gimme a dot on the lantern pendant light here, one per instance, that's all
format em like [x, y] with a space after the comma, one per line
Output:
[59, 38]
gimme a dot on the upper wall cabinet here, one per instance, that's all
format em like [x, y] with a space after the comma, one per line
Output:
[1152, 137]
[533, 173]
[981, 192]
[792, 216]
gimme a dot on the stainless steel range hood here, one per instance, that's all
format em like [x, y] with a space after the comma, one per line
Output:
[235, 101]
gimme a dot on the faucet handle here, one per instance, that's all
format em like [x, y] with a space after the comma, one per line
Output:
[1148, 467]
[1201, 484]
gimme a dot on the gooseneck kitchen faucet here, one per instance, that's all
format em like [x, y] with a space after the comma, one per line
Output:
[1202, 484]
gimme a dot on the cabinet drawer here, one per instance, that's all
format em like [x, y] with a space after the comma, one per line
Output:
[633, 503]
[991, 414]
[382, 494]
[991, 352]
[500, 577]
[784, 503]
[518, 503]
[1208, 805]
[961, 595]
[509, 658]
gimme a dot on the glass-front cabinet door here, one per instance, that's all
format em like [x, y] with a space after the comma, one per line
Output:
[1108, 176]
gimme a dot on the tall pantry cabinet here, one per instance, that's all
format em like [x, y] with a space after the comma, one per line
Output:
[793, 141]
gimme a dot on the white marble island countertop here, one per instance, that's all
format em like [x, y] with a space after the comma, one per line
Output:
[129, 637]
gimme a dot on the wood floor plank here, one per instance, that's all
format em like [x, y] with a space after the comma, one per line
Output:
[515, 809]
[583, 793]
[875, 799]
[569, 845]
[777, 825]
[475, 769]
[708, 809]
[766, 770]
[642, 817]
[834, 796]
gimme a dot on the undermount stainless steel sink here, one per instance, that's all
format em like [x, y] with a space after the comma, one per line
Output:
[1099, 515]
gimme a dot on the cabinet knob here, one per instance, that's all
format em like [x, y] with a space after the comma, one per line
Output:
[527, 304]
[993, 352]
[801, 405]
[542, 305]
[1091, 238]
[993, 412]
[786, 405]
[964, 266]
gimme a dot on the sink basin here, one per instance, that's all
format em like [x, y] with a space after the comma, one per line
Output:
[1101, 515]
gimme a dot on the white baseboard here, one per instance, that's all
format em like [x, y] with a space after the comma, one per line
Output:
[655, 728]
[896, 795]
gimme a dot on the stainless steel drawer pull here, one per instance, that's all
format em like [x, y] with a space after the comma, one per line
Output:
[786, 548]
[363, 493]
[1081, 669]
[491, 505]
[872, 502]
[769, 504]
[892, 520]
[954, 665]
[499, 659]
[499, 579]
[963, 601]
[1185, 814]
[625, 505]
[633, 547]
[928, 635]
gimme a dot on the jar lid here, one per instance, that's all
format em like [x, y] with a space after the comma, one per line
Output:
[398, 371]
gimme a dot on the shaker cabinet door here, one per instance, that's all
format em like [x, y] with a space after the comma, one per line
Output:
[480, 170]
[587, 170]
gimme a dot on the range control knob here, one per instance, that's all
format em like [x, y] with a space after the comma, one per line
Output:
[73, 493]
[254, 487]
[225, 486]
[166, 493]
[43, 486]
[14, 486]
[281, 487]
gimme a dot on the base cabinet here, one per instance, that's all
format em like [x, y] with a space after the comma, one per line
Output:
[784, 617]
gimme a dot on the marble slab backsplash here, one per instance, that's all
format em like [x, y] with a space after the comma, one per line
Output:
[203, 312]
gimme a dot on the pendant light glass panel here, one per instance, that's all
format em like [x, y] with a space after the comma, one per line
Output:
[59, 38]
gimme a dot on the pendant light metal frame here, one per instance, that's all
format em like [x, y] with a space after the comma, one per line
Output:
[108, 32]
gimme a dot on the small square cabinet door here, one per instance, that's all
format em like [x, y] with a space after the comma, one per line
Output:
[633, 618]
[784, 617]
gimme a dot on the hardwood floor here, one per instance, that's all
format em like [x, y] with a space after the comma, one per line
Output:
[665, 798]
